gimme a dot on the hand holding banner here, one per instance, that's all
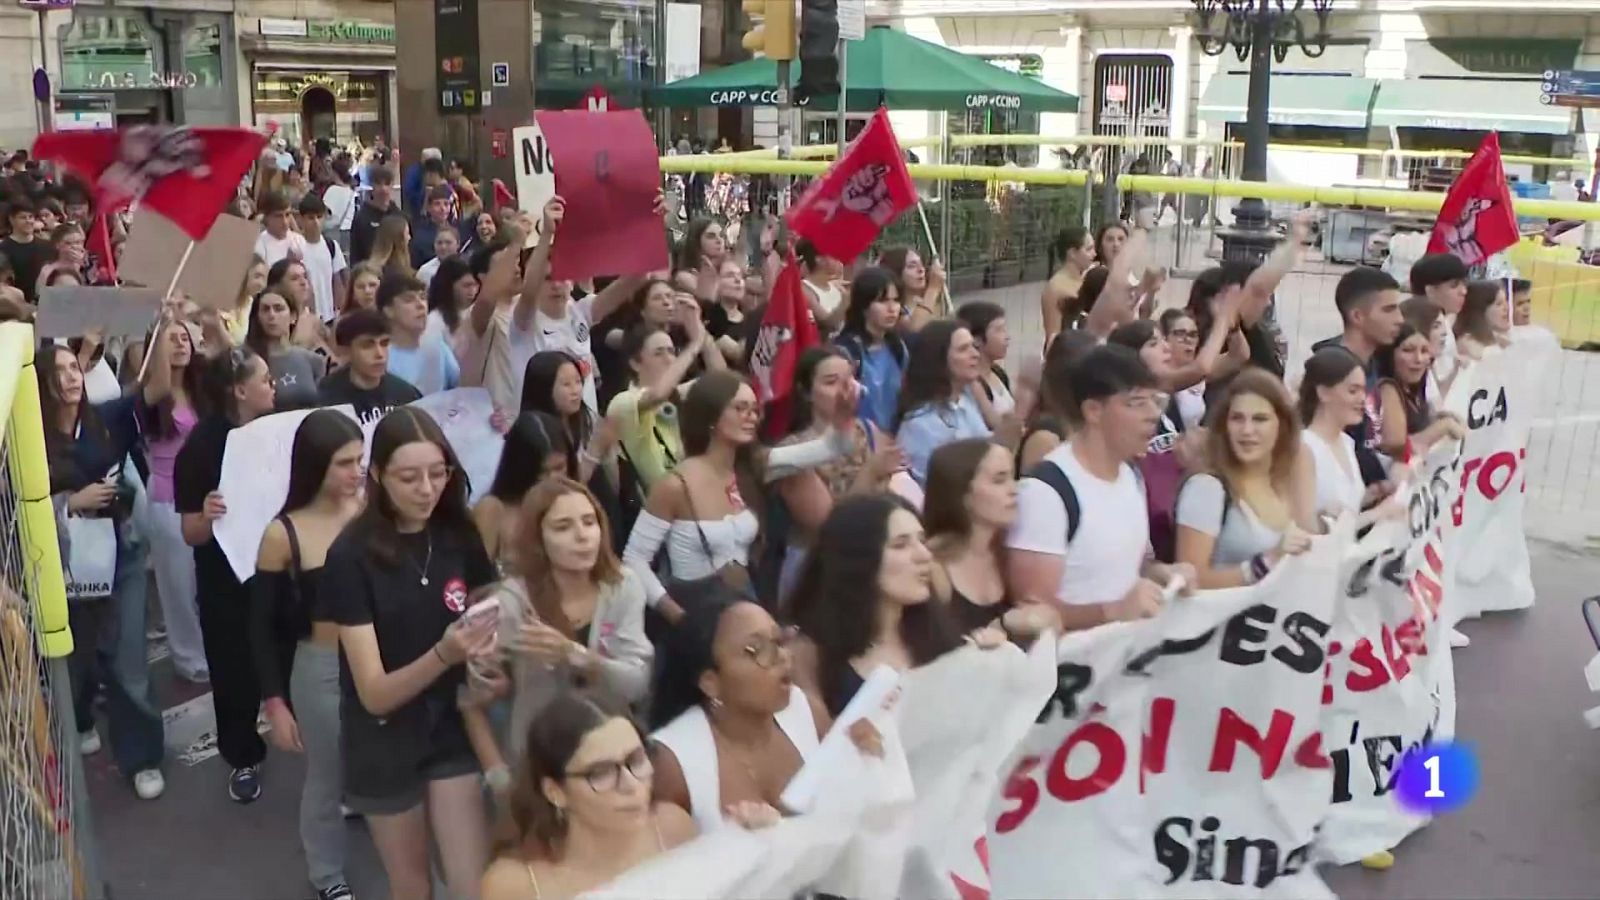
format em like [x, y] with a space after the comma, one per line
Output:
[608, 173]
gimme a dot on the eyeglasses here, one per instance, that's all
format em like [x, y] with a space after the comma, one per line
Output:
[606, 776]
[765, 651]
[1183, 334]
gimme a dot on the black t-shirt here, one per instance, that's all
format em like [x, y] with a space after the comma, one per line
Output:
[370, 404]
[196, 473]
[408, 618]
[26, 261]
[719, 325]
[364, 229]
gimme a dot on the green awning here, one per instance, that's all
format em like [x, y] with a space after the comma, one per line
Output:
[1468, 105]
[887, 67]
[1334, 101]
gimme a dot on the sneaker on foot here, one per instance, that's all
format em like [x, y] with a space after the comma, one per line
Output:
[155, 632]
[244, 785]
[340, 891]
[149, 784]
[89, 742]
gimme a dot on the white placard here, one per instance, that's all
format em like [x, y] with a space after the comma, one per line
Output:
[464, 416]
[66, 312]
[536, 177]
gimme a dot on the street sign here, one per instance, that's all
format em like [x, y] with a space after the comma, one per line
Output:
[852, 20]
[1577, 88]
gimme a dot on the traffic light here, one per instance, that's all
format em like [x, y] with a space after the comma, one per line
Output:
[819, 45]
[771, 28]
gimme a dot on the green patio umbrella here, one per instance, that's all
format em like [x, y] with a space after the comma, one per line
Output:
[887, 67]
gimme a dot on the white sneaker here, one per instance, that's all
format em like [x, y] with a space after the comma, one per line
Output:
[1457, 639]
[89, 742]
[149, 784]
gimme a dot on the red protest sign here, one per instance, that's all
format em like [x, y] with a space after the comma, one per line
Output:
[608, 173]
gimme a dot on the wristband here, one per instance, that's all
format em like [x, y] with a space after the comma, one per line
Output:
[1259, 567]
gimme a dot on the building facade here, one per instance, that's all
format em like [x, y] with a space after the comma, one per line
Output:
[1397, 75]
[321, 78]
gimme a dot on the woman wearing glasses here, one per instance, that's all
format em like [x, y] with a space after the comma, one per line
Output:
[581, 812]
[1183, 341]
[737, 728]
[396, 582]
[573, 616]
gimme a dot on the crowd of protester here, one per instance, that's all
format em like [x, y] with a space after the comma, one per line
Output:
[475, 680]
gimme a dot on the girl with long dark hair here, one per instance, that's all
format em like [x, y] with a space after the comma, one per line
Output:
[536, 449]
[295, 647]
[582, 810]
[451, 294]
[572, 615]
[869, 337]
[703, 513]
[87, 447]
[971, 504]
[1240, 519]
[240, 388]
[1074, 248]
[552, 383]
[166, 420]
[296, 371]
[822, 382]
[936, 402]
[396, 581]
[865, 599]
[1484, 320]
[703, 245]
[1047, 424]
[1405, 424]
[1333, 397]
[987, 323]
[921, 288]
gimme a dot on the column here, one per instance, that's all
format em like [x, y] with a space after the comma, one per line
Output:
[1182, 79]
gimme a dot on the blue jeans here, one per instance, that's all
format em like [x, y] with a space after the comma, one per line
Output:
[108, 638]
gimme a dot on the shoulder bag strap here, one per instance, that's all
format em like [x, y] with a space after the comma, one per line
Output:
[688, 498]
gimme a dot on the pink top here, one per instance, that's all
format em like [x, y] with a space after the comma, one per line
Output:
[163, 453]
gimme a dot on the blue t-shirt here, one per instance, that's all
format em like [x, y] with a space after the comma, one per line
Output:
[430, 367]
[927, 428]
[880, 375]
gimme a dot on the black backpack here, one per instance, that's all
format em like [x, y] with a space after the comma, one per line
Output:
[1053, 475]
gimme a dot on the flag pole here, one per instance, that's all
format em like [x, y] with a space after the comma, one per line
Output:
[944, 289]
[172, 286]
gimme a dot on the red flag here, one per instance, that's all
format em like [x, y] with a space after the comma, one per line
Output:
[186, 174]
[1476, 220]
[843, 211]
[787, 331]
[102, 258]
[502, 195]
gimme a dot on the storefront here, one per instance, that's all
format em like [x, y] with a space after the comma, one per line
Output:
[322, 79]
[156, 65]
[579, 44]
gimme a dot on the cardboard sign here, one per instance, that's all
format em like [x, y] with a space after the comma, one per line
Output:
[536, 175]
[66, 312]
[609, 174]
[215, 269]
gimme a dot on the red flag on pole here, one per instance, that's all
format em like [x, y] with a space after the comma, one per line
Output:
[102, 262]
[786, 332]
[186, 174]
[843, 211]
[1477, 220]
[502, 195]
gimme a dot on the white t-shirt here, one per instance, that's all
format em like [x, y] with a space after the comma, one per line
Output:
[321, 266]
[828, 298]
[273, 249]
[341, 203]
[569, 334]
[1113, 533]
[1339, 488]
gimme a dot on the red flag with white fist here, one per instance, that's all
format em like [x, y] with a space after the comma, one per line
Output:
[1477, 220]
[860, 194]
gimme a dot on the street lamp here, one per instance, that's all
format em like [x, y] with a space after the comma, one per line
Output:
[1258, 30]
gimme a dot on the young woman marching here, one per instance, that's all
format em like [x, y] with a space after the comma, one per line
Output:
[295, 647]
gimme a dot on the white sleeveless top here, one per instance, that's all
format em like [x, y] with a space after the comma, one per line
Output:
[690, 740]
[1339, 487]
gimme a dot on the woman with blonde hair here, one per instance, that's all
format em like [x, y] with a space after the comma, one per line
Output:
[1253, 508]
[235, 321]
[361, 292]
[391, 253]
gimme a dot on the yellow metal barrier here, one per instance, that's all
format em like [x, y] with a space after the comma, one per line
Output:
[44, 579]
[1414, 201]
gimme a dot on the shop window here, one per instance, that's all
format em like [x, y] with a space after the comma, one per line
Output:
[304, 105]
[579, 44]
[113, 51]
[202, 55]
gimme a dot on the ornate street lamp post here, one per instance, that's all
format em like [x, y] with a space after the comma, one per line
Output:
[1257, 30]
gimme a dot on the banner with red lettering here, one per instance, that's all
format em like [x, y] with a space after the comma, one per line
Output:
[1181, 756]
[1496, 397]
[1392, 686]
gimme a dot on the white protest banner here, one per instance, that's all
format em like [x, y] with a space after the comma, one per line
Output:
[66, 312]
[536, 175]
[255, 482]
[1181, 756]
[1391, 674]
[955, 761]
[1497, 398]
[464, 416]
